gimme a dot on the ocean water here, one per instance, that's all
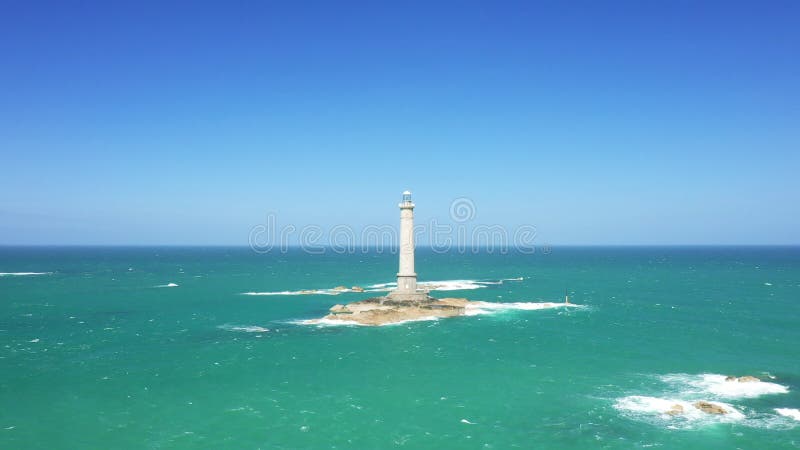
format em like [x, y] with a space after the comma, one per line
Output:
[150, 348]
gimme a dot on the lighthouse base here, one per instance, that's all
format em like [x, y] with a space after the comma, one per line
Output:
[409, 297]
[407, 291]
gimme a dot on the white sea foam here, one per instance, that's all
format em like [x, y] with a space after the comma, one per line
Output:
[168, 285]
[22, 274]
[338, 323]
[327, 322]
[448, 285]
[301, 292]
[655, 410]
[793, 413]
[686, 389]
[417, 319]
[244, 328]
[479, 308]
[445, 285]
[716, 385]
[473, 309]
[451, 285]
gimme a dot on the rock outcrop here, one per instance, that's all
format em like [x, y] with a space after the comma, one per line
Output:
[743, 379]
[748, 379]
[383, 310]
[340, 309]
[675, 410]
[710, 408]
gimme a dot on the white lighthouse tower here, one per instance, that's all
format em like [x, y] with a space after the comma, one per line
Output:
[406, 276]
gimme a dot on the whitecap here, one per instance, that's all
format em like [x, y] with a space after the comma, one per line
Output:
[479, 308]
[445, 285]
[323, 322]
[467, 422]
[244, 328]
[716, 385]
[416, 319]
[458, 285]
[327, 322]
[168, 285]
[301, 292]
[656, 410]
[453, 285]
[793, 413]
[22, 274]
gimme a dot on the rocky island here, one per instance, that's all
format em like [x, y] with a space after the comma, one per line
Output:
[408, 302]
[384, 310]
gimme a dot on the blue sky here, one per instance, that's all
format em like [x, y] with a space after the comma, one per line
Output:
[597, 122]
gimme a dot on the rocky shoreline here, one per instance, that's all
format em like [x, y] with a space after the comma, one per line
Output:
[398, 308]
[384, 310]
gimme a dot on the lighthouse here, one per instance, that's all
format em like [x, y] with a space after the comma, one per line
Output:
[406, 276]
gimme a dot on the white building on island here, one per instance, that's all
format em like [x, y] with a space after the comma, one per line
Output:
[406, 276]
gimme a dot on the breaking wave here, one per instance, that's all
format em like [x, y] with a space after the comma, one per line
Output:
[479, 308]
[715, 385]
[338, 323]
[168, 285]
[674, 407]
[446, 285]
[22, 274]
[302, 292]
[656, 410]
[472, 309]
[327, 323]
[244, 328]
[792, 413]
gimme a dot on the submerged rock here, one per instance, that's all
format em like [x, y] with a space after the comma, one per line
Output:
[675, 410]
[710, 408]
[357, 289]
[743, 379]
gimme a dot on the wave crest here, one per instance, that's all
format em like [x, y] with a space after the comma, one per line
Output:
[445, 285]
[480, 308]
[22, 274]
[792, 413]
[673, 413]
[244, 328]
[716, 385]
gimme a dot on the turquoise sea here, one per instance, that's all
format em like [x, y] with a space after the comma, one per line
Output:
[97, 352]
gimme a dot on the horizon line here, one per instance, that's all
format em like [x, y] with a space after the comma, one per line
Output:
[418, 247]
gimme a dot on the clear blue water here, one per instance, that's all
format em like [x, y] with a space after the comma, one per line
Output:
[94, 355]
